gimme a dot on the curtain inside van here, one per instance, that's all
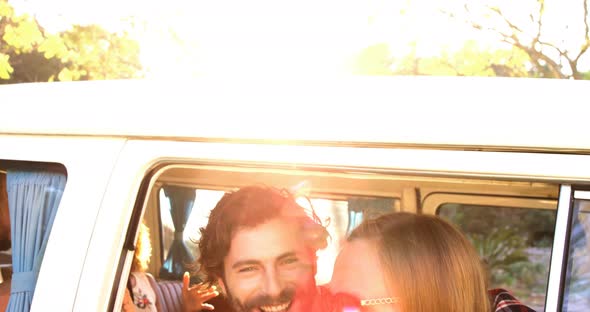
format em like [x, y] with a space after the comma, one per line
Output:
[181, 200]
[33, 197]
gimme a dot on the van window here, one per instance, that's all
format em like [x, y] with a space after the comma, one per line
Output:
[520, 226]
[514, 243]
[577, 283]
[30, 194]
[340, 214]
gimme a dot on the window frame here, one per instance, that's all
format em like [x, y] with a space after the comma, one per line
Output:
[522, 167]
[433, 201]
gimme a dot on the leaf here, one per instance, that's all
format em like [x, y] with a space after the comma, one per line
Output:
[5, 68]
[24, 35]
[53, 46]
[5, 9]
[65, 75]
[374, 60]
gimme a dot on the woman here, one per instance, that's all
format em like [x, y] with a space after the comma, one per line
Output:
[410, 262]
[139, 295]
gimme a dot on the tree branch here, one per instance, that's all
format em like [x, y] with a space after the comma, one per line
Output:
[586, 26]
[510, 24]
[551, 45]
[586, 44]
[534, 54]
[539, 21]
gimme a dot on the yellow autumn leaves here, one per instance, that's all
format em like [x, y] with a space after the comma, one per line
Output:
[28, 53]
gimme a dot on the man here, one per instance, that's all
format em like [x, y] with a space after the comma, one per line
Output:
[260, 247]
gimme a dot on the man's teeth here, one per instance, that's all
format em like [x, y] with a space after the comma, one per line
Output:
[275, 308]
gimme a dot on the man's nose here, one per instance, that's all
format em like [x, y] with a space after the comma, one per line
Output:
[272, 284]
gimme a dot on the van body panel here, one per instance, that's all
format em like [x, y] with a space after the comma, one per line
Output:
[452, 112]
[89, 163]
[423, 141]
[112, 222]
[514, 166]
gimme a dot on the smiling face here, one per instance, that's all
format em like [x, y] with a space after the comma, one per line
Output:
[269, 269]
[358, 272]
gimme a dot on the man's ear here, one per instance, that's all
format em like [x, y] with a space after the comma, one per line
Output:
[222, 285]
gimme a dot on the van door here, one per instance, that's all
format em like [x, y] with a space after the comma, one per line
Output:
[574, 279]
[342, 172]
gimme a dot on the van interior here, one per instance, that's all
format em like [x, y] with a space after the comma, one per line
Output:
[511, 223]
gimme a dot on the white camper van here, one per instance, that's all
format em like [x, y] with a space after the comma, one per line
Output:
[83, 163]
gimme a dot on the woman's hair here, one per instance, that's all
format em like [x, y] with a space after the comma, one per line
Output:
[143, 250]
[427, 262]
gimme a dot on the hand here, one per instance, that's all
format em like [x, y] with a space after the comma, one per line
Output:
[193, 298]
[128, 305]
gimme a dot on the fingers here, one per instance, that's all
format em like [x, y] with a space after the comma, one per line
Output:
[186, 279]
[201, 288]
[207, 306]
[209, 295]
[204, 287]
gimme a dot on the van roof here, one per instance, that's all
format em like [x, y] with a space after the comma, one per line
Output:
[453, 112]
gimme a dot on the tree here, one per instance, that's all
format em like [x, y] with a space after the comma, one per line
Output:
[471, 60]
[92, 53]
[535, 32]
[29, 54]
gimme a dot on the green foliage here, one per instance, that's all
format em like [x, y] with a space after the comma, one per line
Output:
[29, 54]
[471, 60]
[503, 238]
[5, 68]
[503, 250]
[374, 60]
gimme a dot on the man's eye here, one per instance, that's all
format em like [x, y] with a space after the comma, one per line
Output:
[247, 269]
[290, 260]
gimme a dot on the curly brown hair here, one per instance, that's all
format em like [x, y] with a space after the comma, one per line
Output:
[251, 206]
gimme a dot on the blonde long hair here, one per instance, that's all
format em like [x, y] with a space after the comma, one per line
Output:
[428, 263]
[143, 250]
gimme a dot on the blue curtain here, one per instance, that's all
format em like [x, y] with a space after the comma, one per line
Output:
[33, 197]
[181, 200]
[362, 208]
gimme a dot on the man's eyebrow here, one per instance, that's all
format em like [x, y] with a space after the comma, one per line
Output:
[287, 255]
[244, 263]
[256, 262]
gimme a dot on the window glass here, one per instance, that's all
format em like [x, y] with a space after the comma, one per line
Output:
[339, 215]
[515, 243]
[205, 200]
[577, 284]
[30, 194]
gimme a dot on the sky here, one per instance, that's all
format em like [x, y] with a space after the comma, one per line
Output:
[183, 38]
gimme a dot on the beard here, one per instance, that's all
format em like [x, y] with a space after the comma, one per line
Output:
[286, 295]
[301, 297]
